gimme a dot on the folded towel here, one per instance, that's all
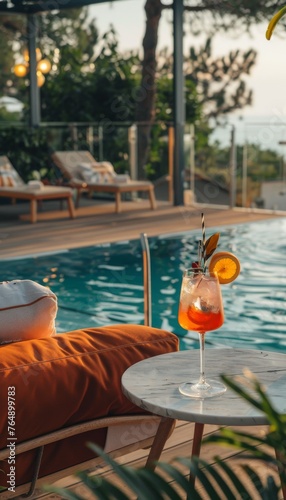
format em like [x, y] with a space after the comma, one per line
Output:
[121, 178]
[35, 184]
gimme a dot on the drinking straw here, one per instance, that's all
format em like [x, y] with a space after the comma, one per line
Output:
[204, 239]
[200, 246]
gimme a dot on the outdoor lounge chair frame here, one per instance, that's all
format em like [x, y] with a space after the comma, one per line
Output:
[117, 189]
[23, 191]
[156, 444]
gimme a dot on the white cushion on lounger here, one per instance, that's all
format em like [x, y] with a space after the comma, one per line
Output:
[27, 311]
[100, 173]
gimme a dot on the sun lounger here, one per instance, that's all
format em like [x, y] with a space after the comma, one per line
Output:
[13, 187]
[64, 391]
[84, 173]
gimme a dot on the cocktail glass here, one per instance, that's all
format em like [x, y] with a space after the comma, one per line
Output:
[201, 310]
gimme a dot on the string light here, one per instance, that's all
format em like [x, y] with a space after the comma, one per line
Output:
[43, 67]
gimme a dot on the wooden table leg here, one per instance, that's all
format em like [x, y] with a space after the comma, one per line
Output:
[33, 210]
[197, 441]
[164, 430]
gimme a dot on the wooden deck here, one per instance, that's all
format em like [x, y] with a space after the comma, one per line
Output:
[97, 223]
[178, 445]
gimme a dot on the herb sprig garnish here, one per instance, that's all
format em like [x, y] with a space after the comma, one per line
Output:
[205, 250]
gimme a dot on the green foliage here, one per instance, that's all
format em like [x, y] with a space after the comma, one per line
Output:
[11, 28]
[263, 164]
[27, 149]
[219, 81]
[95, 95]
[218, 479]
[30, 149]
[157, 165]
[92, 81]
[164, 109]
[237, 17]
[8, 116]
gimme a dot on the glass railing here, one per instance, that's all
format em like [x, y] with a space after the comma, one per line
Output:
[238, 165]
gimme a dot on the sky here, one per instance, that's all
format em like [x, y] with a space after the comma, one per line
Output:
[268, 78]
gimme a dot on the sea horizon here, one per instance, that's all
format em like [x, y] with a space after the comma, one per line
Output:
[269, 131]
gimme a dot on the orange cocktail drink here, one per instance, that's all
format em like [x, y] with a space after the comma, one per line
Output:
[200, 308]
[196, 320]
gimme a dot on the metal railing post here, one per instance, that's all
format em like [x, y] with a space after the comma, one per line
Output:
[244, 176]
[146, 280]
[171, 165]
[132, 140]
[89, 138]
[233, 169]
[100, 143]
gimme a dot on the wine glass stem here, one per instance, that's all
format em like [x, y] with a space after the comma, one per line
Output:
[202, 358]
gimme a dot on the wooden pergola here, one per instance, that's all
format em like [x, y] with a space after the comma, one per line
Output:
[33, 8]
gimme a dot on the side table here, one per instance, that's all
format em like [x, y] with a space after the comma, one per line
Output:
[153, 384]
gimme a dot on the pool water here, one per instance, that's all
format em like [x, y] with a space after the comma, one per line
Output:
[103, 284]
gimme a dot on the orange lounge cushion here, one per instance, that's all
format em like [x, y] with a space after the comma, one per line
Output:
[67, 379]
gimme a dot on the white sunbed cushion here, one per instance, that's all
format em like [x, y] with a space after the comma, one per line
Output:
[96, 173]
[99, 165]
[7, 179]
[101, 173]
[27, 311]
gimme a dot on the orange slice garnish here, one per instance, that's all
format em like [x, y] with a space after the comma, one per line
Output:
[226, 266]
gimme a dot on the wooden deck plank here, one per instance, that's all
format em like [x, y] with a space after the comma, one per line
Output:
[97, 224]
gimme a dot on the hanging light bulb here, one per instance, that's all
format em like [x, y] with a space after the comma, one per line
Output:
[44, 66]
[21, 70]
[40, 79]
[38, 54]
[26, 55]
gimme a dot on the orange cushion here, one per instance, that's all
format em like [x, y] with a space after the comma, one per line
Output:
[70, 378]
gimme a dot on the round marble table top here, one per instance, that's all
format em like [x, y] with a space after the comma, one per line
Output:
[152, 384]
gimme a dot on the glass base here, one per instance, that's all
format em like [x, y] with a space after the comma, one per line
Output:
[210, 389]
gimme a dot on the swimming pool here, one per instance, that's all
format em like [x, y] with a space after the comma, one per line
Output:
[103, 284]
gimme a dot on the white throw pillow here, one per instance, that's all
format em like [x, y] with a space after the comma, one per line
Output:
[27, 311]
[6, 178]
[96, 172]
